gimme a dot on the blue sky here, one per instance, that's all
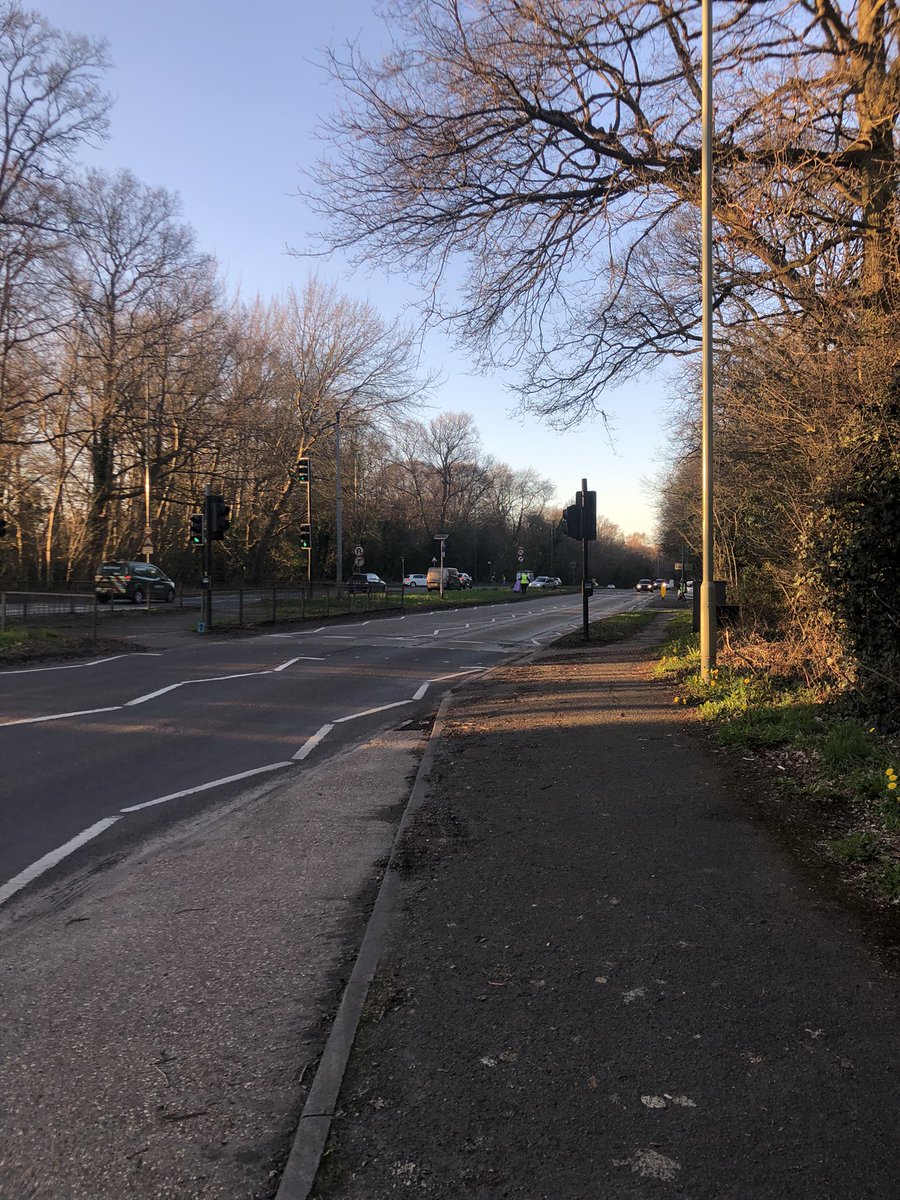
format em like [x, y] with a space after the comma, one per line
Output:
[218, 100]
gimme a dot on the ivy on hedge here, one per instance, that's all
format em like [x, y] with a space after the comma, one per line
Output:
[853, 555]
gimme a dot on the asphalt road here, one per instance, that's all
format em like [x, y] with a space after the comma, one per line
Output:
[97, 754]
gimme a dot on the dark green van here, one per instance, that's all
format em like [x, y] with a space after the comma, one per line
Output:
[119, 579]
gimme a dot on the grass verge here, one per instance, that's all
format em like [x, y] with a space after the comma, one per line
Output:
[829, 774]
[615, 628]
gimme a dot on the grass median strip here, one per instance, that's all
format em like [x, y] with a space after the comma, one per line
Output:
[616, 628]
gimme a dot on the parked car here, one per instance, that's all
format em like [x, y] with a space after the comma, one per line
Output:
[121, 579]
[465, 579]
[451, 578]
[544, 581]
[415, 581]
[366, 581]
[644, 585]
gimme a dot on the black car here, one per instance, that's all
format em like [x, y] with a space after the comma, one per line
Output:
[121, 579]
[366, 581]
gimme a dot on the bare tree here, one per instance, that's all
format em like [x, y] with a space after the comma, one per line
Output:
[134, 276]
[554, 146]
[331, 358]
[51, 103]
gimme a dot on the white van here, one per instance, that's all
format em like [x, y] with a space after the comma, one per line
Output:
[451, 579]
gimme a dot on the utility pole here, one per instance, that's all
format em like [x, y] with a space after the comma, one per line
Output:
[708, 586]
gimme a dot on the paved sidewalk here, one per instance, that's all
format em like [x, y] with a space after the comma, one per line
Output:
[606, 979]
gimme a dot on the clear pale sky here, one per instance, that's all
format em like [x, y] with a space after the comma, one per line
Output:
[218, 100]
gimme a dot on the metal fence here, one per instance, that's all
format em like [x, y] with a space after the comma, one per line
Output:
[297, 602]
[49, 608]
[230, 606]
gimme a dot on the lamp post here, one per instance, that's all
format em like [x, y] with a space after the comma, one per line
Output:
[338, 513]
[708, 587]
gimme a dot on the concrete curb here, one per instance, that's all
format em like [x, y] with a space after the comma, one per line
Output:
[315, 1119]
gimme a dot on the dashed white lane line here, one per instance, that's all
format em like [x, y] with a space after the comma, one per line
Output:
[205, 787]
[52, 858]
[151, 695]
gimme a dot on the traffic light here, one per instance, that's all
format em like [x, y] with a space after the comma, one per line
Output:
[572, 518]
[588, 515]
[305, 537]
[197, 529]
[303, 470]
[581, 521]
[217, 512]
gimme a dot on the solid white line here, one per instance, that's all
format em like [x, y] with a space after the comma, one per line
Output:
[310, 744]
[68, 666]
[153, 695]
[368, 712]
[284, 666]
[84, 712]
[50, 860]
[212, 679]
[421, 692]
[204, 787]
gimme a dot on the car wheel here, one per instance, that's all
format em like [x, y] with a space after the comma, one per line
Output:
[170, 595]
[137, 596]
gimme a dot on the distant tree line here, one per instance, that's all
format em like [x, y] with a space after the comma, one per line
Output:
[129, 381]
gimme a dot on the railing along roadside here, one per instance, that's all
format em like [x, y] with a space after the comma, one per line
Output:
[23, 608]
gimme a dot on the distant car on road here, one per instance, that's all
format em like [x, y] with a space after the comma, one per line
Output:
[121, 579]
[658, 583]
[415, 581]
[465, 580]
[610, 586]
[544, 581]
[366, 581]
[644, 585]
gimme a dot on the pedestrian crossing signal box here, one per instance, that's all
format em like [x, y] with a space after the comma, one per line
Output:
[588, 586]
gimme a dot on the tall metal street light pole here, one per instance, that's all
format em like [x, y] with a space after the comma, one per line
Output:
[338, 510]
[708, 587]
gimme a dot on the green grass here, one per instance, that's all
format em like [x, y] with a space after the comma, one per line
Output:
[843, 767]
[616, 628]
[22, 637]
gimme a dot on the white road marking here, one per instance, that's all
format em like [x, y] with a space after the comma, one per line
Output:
[421, 692]
[204, 787]
[84, 712]
[52, 858]
[310, 744]
[96, 662]
[368, 712]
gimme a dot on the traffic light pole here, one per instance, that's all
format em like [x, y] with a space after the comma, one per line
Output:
[206, 560]
[584, 563]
